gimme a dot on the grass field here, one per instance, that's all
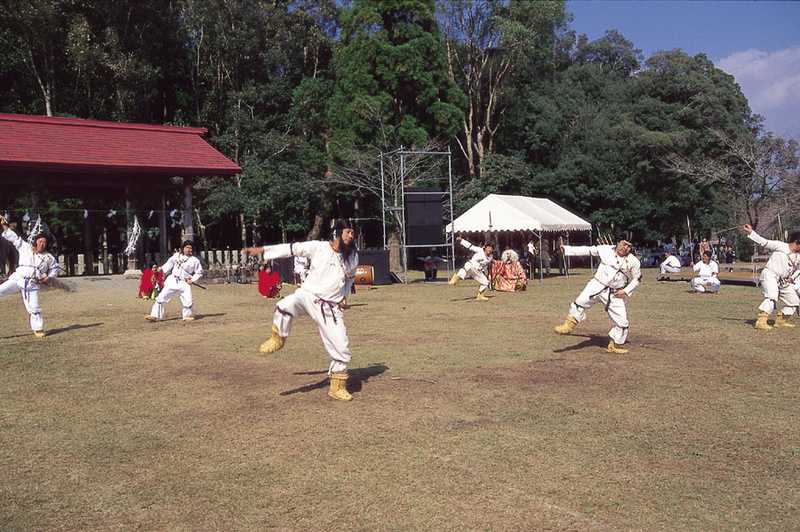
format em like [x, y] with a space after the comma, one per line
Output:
[467, 415]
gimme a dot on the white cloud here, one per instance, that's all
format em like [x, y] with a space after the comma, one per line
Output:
[771, 82]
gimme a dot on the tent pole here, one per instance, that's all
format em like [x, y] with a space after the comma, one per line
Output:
[541, 273]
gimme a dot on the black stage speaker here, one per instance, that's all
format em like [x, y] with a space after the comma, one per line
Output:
[424, 224]
[379, 260]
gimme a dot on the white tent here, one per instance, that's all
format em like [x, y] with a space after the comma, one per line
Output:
[497, 212]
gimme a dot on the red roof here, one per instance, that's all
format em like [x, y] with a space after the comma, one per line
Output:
[93, 146]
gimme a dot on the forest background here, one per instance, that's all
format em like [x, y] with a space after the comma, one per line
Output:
[305, 94]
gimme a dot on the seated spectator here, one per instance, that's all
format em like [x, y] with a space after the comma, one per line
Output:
[269, 282]
[707, 280]
[670, 265]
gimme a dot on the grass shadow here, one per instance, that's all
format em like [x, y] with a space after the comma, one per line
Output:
[591, 341]
[204, 316]
[74, 327]
[358, 376]
[740, 320]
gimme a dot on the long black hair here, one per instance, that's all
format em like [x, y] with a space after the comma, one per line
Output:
[339, 226]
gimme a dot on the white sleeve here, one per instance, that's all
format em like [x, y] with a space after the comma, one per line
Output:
[470, 247]
[198, 272]
[714, 268]
[296, 249]
[696, 267]
[350, 275]
[769, 245]
[581, 251]
[53, 269]
[15, 239]
[636, 272]
[167, 267]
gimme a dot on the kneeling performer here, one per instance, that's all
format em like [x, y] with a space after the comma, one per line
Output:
[475, 268]
[707, 280]
[671, 264]
[36, 267]
[616, 278]
[777, 279]
[181, 271]
[330, 278]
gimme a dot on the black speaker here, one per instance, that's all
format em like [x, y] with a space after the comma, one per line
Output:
[424, 224]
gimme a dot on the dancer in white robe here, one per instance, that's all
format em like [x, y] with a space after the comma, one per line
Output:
[616, 278]
[477, 267]
[330, 278]
[707, 278]
[671, 264]
[36, 267]
[180, 272]
[777, 279]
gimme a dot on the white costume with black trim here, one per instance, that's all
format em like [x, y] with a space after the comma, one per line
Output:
[671, 264]
[778, 276]
[477, 267]
[614, 273]
[330, 278]
[706, 279]
[25, 280]
[176, 270]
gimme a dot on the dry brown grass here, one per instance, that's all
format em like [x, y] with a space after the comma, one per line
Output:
[467, 415]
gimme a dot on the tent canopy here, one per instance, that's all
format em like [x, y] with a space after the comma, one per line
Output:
[497, 212]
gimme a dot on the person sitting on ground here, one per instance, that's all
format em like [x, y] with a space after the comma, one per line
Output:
[269, 282]
[707, 279]
[671, 264]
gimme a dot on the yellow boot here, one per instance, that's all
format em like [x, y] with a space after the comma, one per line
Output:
[338, 389]
[481, 297]
[614, 347]
[454, 279]
[275, 342]
[39, 334]
[568, 326]
[782, 320]
[761, 322]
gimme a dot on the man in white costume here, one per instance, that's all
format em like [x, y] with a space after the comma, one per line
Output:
[36, 267]
[300, 269]
[707, 279]
[476, 268]
[671, 264]
[777, 279]
[329, 280]
[180, 272]
[616, 278]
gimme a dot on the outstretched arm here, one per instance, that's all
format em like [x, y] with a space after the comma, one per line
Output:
[769, 245]
[469, 246]
[11, 236]
[282, 251]
[581, 251]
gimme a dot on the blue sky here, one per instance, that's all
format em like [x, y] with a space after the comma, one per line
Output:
[756, 41]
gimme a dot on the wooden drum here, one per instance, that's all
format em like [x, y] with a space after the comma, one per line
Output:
[365, 275]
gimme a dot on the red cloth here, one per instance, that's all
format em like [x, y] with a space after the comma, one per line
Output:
[508, 276]
[269, 283]
[146, 283]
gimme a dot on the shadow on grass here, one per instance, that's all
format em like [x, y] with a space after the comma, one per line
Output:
[591, 341]
[204, 316]
[357, 378]
[747, 322]
[60, 330]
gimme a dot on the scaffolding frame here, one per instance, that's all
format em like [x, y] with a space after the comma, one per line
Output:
[449, 239]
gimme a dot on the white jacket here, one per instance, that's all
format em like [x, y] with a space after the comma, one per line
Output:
[32, 266]
[183, 267]
[782, 263]
[479, 261]
[614, 271]
[330, 277]
[706, 271]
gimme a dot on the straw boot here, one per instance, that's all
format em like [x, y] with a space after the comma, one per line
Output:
[782, 320]
[614, 347]
[454, 279]
[481, 297]
[275, 342]
[568, 326]
[338, 388]
[761, 322]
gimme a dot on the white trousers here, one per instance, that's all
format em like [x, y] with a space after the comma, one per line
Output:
[616, 308]
[705, 284]
[328, 317]
[473, 273]
[773, 292]
[666, 268]
[30, 297]
[173, 286]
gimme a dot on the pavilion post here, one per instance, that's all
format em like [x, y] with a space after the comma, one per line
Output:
[188, 210]
[88, 245]
[131, 271]
[162, 228]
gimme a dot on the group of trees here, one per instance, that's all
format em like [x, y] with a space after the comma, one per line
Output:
[298, 91]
